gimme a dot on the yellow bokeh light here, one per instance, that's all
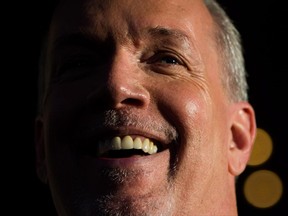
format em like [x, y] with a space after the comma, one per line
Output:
[262, 148]
[263, 188]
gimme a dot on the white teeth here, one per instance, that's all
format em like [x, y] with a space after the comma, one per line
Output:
[127, 143]
[151, 148]
[145, 145]
[137, 143]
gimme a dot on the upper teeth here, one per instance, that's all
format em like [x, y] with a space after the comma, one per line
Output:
[127, 142]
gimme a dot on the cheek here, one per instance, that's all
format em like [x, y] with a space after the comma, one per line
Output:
[65, 102]
[60, 120]
[189, 111]
[192, 108]
[61, 117]
[66, 98]
[193, 119]
[186, 107]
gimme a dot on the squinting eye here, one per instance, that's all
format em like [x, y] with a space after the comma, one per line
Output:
[76, 64]
[74, 68]
[169, 60]
[165, 59]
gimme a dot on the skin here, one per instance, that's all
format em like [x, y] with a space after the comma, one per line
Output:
[141, 71]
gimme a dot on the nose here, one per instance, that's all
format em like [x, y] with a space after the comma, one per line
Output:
[123, 85]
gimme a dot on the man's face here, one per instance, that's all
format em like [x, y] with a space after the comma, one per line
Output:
[134, 70]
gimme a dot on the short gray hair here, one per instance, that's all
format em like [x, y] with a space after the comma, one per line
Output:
[229, 41]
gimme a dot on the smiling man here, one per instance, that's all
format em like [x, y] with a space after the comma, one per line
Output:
[144, 109]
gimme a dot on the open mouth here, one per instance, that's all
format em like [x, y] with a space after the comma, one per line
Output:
[123, 147]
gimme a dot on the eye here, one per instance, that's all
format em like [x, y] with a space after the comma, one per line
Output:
[76, 64]
[165, 59]
[74, 68]
[169, 60]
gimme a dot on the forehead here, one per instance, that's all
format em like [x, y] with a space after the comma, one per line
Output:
[126, 16]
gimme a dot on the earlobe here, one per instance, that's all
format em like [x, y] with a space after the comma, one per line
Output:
[40, 150]
[243, 130]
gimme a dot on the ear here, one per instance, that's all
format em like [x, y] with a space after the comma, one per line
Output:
[243, 131]
[41, 169]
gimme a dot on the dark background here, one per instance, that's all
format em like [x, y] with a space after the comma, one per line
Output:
[263, 26]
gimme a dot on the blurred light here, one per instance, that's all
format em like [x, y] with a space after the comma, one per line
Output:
[263, 188]
[262, 148]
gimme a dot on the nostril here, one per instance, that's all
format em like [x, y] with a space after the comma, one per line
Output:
[132, 102]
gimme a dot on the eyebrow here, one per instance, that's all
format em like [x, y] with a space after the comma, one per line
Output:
[87, 38]
[75, 39]
[160, 35]
[163, 31]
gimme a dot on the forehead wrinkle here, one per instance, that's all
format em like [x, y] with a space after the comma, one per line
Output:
[172, 36]
[159, 30]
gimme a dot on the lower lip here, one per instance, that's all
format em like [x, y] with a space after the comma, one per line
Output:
[128, 162]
